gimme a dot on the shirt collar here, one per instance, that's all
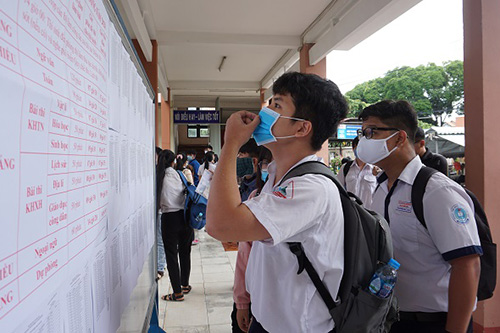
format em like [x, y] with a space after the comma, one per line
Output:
[408, 174]
[366, 166]
[411, 170]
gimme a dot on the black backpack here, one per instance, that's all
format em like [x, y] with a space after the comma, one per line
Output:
[488, 277]
[367, 245]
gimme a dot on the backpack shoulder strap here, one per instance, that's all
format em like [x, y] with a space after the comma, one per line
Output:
[183, 178]
[317, 168]
[347, 166]
[418, 190]
[313, 167]
[304, 263]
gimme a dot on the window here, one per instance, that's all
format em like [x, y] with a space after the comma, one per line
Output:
[198, 131]
[192, 132]
[204, 132]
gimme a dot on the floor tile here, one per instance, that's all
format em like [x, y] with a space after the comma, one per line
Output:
[207, 308]
[188, 329]
[220, 315]
[223, 328]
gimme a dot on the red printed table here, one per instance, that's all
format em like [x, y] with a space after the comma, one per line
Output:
[53, 131]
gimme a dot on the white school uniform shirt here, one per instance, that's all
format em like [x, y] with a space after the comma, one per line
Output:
[201, 169]
[360, 182]
[303, 209]
[172, 193]
[424, 254]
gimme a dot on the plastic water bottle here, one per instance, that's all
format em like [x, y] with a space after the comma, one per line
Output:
[199, 217]
[384, 279]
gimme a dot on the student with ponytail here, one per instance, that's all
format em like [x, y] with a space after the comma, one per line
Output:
[176, 232]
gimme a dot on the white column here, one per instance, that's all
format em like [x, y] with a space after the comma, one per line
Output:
[214, 139]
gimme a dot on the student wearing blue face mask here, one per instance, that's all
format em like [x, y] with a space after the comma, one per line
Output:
[191, 156]
[304, 113]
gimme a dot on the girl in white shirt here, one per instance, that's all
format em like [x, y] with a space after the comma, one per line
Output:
[176, 233]
[209, 164]
[205, 173]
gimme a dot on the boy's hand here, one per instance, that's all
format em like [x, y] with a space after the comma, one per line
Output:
[240, 126]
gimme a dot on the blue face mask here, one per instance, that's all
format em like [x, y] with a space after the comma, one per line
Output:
[263, 175]
[189, 158]
[263, 133]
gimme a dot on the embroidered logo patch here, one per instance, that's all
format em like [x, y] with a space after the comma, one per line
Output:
[459, 214]
[404, 206]
[285, 192]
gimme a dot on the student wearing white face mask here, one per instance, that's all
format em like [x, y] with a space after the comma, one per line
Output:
[304, 113]
[358, 178]
[439, 273]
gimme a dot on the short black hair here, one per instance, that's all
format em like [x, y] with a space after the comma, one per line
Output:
[158, 150]
[191, 152]
[398, 114]
[317, 100]
[250, 148]
[210, 147]
[419, 135]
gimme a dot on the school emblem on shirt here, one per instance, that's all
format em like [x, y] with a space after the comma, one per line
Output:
[404, 206]
[285, 192]
[459, 214]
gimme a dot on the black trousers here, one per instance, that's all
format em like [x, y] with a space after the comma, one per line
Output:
[425, 323]
[256, 327]
[177, 237]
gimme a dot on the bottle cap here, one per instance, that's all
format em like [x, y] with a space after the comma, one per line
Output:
[394, 264]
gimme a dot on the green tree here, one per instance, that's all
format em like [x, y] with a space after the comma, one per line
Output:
[424, 125]
[430, 89]
[355, 107]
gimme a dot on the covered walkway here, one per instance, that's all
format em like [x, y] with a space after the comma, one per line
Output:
[208, 306]
[225, 55]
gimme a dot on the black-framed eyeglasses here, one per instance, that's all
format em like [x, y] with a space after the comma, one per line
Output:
[368, 132]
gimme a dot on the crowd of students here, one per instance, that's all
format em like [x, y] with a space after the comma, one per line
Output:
[439, 273]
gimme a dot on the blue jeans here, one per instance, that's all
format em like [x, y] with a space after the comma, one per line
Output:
[162, 261]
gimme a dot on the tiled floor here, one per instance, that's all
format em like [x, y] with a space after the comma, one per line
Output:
[208, 306]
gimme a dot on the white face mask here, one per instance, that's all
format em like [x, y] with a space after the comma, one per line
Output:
[372, 151]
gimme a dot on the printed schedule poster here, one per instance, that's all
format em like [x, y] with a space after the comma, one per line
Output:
[54, 167]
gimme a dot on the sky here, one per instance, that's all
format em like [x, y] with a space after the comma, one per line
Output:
[431, 31]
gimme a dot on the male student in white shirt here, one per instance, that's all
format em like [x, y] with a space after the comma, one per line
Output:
[359, 179]
[305, 112]
[439, 273]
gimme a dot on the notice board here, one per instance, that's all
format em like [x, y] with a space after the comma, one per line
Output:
[76, 167]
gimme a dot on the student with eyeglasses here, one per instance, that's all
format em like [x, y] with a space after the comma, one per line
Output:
[439, 273]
